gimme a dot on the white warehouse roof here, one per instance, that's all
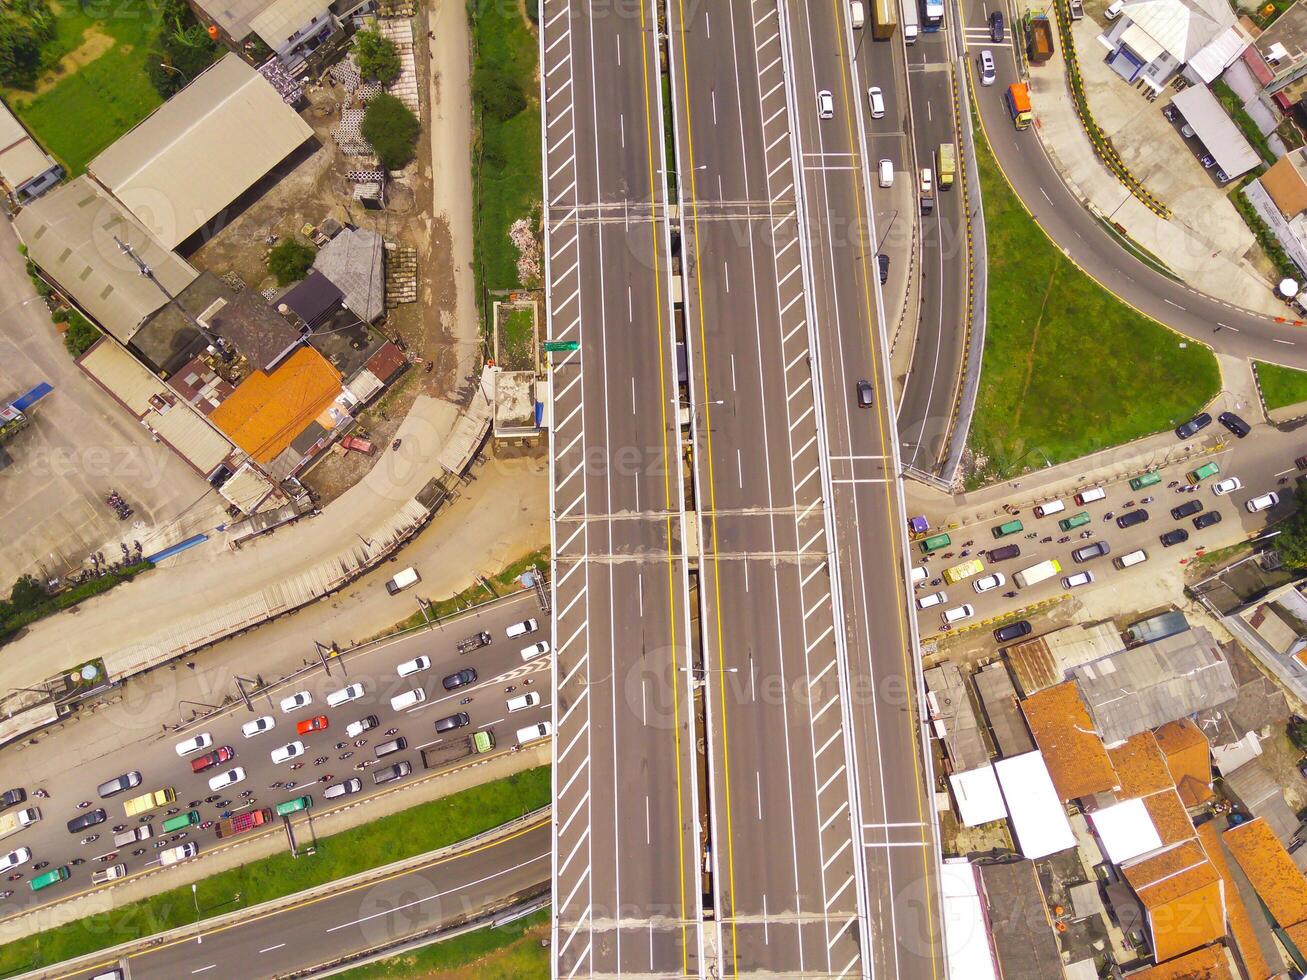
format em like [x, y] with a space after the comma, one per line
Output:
[977, 795]
[1039, 821]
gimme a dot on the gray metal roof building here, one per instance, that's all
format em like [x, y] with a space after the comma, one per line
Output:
[354, 262]
[999, 699]
[1216, 131]
[953, 718]
[1019, 924]
[1148, 686]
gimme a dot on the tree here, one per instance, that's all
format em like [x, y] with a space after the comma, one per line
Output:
[181, 50]
[80, 334]
[497, 93]
[26, 594]
[1291, 542]
[290, 260]
[392, 130]
[376, 56]
[20, 52]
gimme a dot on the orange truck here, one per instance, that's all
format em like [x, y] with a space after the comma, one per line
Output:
[1018, 104]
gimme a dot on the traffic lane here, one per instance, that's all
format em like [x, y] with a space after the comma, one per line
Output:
[363, 917]
[160, 765]
[1060, 214]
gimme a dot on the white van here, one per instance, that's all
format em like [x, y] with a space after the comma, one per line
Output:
[109, 874]
[1137, 557]
[351, 693]
[403, 580]
[887, 173]
[959, 613]
[523, 701]
[933, 599]
[413, 666]
[530, 733]
[1265, 502]
[1090, 495]
[1052, 507]
[857, 14]
[522, 628]
[195, 743]
[535, 650]
[408, 699]
[918, 575]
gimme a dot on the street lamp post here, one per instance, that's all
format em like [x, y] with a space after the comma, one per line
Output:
[199, 936]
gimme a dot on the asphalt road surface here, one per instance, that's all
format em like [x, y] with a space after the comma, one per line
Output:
[1078, 233]
[896, 833]
[498, 666]
[377, 914]
[626, 889]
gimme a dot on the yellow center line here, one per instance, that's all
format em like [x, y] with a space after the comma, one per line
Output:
[654, 134]
[712, 496]
[900, 603]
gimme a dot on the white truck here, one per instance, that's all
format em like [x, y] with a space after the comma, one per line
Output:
[12, 823]
[1037, 573]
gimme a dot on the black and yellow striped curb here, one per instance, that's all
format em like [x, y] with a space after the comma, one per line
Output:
[1101, 144]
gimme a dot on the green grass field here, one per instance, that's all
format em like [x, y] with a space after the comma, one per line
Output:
[1068, 369]
[515, 336]
[99, 88]
[510, 952]
[506, 171]
[422, 828]
[1281, 386]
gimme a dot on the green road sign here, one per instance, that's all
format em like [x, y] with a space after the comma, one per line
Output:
[561, 345]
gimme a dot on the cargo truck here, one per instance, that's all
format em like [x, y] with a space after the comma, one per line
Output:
[911, 22]
[12, 823]
[453, 749]
[243, 822]
[1017, 98]
[1039, 39]
[883, 19]
[148, 801]
[948, 161]
[1037, 573]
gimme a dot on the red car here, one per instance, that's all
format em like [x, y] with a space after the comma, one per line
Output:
[318, 724]
[223, 753]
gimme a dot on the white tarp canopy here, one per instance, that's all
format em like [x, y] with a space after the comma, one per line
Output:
[1126, 830]
[977, 795]
[1039, 821]
[966, 935]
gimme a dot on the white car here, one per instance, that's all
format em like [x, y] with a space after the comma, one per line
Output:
[994, 580]
[1228, 485]
[876, 99]
[539, 648]
[988, 73]
[825, 104]
[406, 700]
[194, 744]
[886, 175]
[352, 693]
[413, 666]
[932, 599]
[1079, 578]
[287, 752]
[259, 725]
[14, 858]
[229, 778]
[959, 613]
[300, 699]
[1265, 502]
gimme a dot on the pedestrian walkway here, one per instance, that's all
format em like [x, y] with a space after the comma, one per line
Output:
[1205, 243]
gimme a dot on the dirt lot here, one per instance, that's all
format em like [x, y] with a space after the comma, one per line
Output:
[311, 187]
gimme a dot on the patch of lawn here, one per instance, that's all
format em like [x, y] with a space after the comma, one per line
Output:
[99, 87]
[422, 828]
[516, 333]
[1068, 369]
[1280, 386]
[509, 952]
[506, 168]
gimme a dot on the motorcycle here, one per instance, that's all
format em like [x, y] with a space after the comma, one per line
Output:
[138, 852]
[1046, 540]
[1109, 515]
[91, 839]
[465, 701]
[83, 805]
[510, 689]
[346, 755]
[119, 828]
[391, 731]
[1064, 539]
[1009, 595]
[1146, 500]
[40, 864]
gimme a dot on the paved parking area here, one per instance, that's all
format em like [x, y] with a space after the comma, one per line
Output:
[80, 446]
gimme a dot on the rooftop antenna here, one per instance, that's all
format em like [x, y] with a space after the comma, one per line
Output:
[213, 339]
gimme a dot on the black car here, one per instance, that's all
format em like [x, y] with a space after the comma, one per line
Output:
[1235, 424]
[1004, 553]
[864, 394]
[1176, 535]
[1207, 519]
[1091, 551]
[88, 819]
[1132, 518]
[996, 27]
[12, 797]
[465, 676]
[1013, 631]
[1186, 508]
[882, 261]
[1195, 425]
[451, 722]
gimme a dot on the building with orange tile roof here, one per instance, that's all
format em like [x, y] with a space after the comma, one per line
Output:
[1140, 766]
[1169, 816]
[1236, 913]
[1271, 871]
[1183, 896]
[268, 411]
[1189, 758]
[1208, 963]
[1077, 762]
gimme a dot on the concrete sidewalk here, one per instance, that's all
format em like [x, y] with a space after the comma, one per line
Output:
[1206, 242]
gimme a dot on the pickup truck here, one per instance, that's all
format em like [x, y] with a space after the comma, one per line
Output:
[927, 191]
[149, 801]
[12, 823]
[243, 822]
[451, 750]
[474, 642]
[179, 853]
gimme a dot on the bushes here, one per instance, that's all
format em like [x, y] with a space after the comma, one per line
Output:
[392, 130]
[497, 93]
[290, 261]
[80, 334]
[376, 57]
[1262, 232]
[28, 601]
